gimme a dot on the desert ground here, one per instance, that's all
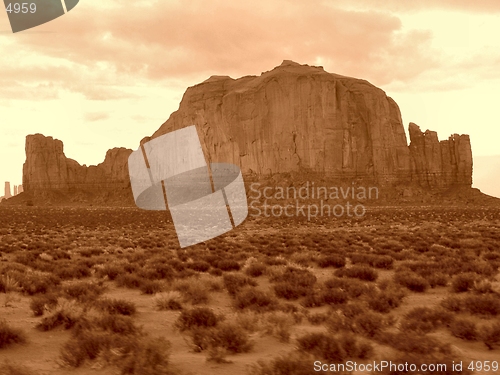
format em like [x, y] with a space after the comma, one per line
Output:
[109, 291]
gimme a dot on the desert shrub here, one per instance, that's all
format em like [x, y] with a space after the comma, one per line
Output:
[40, 303]
[197, 317]
[486, 304]
[317, 318]
[199, 266]
[290, 364]
[72, 270]
[148, 357]
[34, 282]
[411, 280]
[168, 301]
[279, 325]
[248, 320]
[331, 296]
[254, 299]
[490, 335]
[463, 282]
[111, 271]
[235, 282]
[255, 269]
[464, 329]
[353, 287]
[425, 319]
[151, 286]
[368, 323]
[228, 265]
[66, 314]
[116, 306]
[157, 271]
[129, 281]
[120, 324]
[293, 283]
[83, 291]
[87, 346]
[230, 337]
[437, 279]
[452, 303]
[193, 290]
[377, 261]
[359, 272]
[410, 342]
[333, 260]
[334, 348]
[9, 335]
[386, 300]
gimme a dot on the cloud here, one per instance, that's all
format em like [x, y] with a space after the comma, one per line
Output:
[96, 116]
[483, 6]
[167, 39]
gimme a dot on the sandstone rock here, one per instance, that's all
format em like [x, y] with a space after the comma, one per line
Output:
[47, 167]
[294, 118]
[7, 193]
[301, 118]
[440, 164]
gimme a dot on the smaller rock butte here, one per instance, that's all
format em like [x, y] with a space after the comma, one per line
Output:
[294, 118]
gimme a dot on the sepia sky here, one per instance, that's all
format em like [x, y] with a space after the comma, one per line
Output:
[110, 72]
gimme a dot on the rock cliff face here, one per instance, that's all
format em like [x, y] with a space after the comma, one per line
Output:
[301, 118]
[437, 163]
[47, 168]
[294, 118]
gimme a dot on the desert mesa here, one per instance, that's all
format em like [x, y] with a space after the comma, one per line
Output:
[292, 119]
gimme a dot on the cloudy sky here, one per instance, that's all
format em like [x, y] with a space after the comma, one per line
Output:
[110, 72]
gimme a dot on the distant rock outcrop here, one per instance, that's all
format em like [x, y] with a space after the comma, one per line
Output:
[47, 168]
[294, 118]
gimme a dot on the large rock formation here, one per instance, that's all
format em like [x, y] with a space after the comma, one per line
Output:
[437, 163]
[47, 168]
[294, 118]
[301, 118]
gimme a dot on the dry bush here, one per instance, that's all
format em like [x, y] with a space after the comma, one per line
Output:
[65, 314]
[358, 272]
[43, 302]
[129, 281]
[293, 282]
[256, 300]
[234, 282]
[278, 324]
[168, 301]
[195, 318]
[353, 287]
[255, 269]
[410, 342]
[9, 335]
[386, 300]
[84, 291]
[464, 329]
[412, 281]
[193, 290]
[463, 282]
[490, 335]
[289, 364]
[425, 319]
[373, 260]
[334, 348]
[332, 260]
[116, 306]
[151, 286]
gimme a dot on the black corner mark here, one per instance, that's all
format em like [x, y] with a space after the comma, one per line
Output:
[26, 14]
